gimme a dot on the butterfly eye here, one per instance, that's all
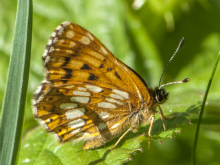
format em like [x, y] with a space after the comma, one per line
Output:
[161, 95]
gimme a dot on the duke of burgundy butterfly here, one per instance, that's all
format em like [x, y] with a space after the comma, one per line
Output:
[88, 94]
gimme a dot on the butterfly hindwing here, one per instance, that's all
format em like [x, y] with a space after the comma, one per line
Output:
[84, 111]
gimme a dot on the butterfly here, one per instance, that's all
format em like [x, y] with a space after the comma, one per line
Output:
[88, 94]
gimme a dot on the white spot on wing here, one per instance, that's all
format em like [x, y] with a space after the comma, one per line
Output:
[71, 27]
[51, 49]
[75, 131]
[114, 101]
[61, 41]
[76, 123]
[53, 34]
[70, 34]
[69, 86]
[57, 49]
[90, 36]
[42, 122]
[84, 40]
[55, 40]
[58, 27]
[39, 88]
[82, 89]
[66, 23]
[48, 121]
[81, 93]
[71, 114]
[41, 97]
[115, 126]
[47, 59]
[34, 108]
[106, 105]
[68, 105]
[80, 99]
[116, 96]
[45, 53]
[72, 44]
[121, 93]
[104, 115]
[49, 42]
[102, 126]
[69, 51]
[51, 71]
[60, 31]
[103, 50]
[94, 88]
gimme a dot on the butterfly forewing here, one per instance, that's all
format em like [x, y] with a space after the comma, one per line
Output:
[87, 92]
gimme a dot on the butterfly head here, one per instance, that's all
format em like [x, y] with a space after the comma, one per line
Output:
[161, 95]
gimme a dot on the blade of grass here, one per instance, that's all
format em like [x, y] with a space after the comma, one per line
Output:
[17, 81]
[202, 110]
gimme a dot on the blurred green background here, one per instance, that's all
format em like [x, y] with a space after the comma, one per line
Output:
[144, 36]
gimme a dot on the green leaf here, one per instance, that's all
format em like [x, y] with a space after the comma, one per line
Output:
[16, 88]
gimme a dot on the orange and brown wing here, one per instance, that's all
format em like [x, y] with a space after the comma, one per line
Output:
[83, 111]
[73, 55]
[88, 93]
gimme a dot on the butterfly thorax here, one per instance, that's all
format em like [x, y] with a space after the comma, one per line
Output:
[147, 110]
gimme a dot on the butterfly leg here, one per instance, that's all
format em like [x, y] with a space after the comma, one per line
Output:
[163, 117]
[120, 139]
[150, 129]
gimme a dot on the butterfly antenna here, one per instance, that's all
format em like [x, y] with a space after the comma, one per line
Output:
[185, 80]
[176, 82]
